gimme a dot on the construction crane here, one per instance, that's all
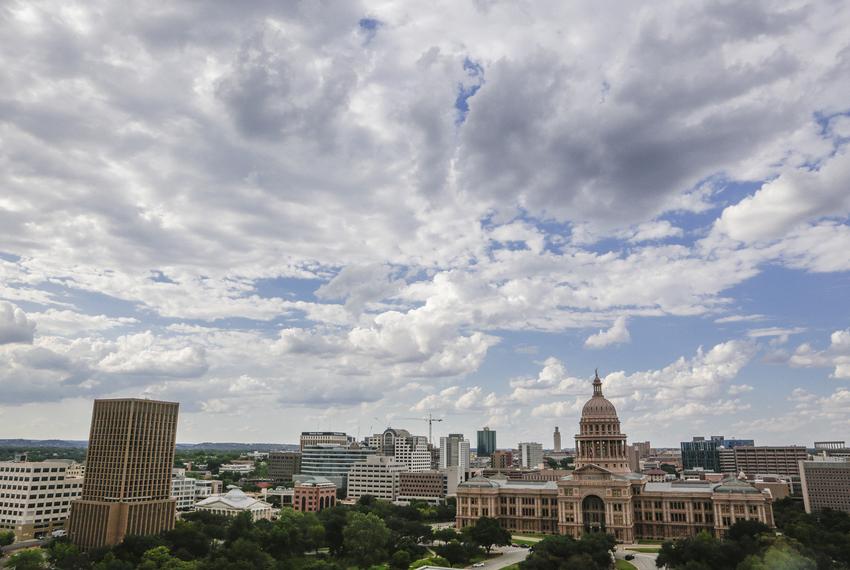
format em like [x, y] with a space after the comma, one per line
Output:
[430, 419]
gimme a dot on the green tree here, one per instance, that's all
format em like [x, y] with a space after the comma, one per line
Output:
[592, 552]
[334, 521]
[366, 538]
[7, 537]
[65, 556]
[187, 541]
[31, 559]
[112, 562]
[454, 552]
[446, 534]
[488, 532]
[400, 560]
[160, 558]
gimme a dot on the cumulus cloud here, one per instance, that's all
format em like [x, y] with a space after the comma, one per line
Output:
[15, 326]
[836, 355]
[617, 334]
[279, 206]
[792, 198]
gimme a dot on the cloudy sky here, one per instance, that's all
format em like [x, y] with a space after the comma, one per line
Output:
[293, 216]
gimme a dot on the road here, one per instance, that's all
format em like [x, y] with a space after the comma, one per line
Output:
[510, 555]
[641, 561]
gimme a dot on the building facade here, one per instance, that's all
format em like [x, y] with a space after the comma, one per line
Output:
[530, 455]
[412, 450]
[183, 490]
[486, 442]
[502, 460]
[378, 476]
[333, 462]
[704, 453]
[127, 487]
[313, 494]
[768, 459]
[309, 438]
[454, 452]
[826, 485]
[429, 486]
[603, 495]
[36, 497]
[283, 465]
[236, 502]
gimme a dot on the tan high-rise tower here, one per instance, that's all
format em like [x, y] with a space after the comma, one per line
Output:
[127, 486]
[600, 441]
[557, 437]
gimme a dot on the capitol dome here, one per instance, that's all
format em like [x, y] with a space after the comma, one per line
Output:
[598, 406]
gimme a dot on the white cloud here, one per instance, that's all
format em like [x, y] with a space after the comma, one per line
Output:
[617, 334]
[71, 323]
[15, 326]
[794, 197]
[836, 355]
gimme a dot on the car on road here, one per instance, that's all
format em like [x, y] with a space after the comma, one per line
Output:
[478, 565]
[629, 557]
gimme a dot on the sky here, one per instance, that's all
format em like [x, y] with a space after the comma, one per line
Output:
[296, 216]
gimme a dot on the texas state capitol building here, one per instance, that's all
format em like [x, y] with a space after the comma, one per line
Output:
[603, 495]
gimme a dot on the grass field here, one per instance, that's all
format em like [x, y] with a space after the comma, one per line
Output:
[625, 565]
[647, 550]
[526, 542]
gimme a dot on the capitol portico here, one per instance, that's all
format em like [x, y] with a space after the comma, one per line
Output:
[603, 495]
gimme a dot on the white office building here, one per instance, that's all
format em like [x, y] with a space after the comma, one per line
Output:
[454, 455]
[531, 455]
[35, 497]
[183, 489]
[412, 450]
[378, 476]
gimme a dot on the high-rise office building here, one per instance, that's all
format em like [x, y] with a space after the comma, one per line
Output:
[557, 438]
[826, 485]
[454, 455]
[127, 487]
[773, 460]
[704, 453]
[333, 462]
[36, 496]
[378, 476]
[283, 465]
[530, 454]
[412, 450]
[486, 442]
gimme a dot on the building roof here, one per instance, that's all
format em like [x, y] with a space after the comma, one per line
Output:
[735, 486]
[698, 487]
[235, 499]
[598, 406]
[485, 482]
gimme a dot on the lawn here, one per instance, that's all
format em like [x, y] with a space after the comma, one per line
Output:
[526, 542]
[625, 565]
[649, 541]
[647, 550]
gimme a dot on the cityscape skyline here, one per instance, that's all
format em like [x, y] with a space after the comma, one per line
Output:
[293, 219]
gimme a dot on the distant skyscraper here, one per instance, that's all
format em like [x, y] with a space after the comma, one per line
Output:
[454, 452]
[530, 454]
[486, 442]
[283, 465]
[557, 437]
[127, 487]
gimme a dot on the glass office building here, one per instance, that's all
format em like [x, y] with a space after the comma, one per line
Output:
[486, 442]
[705, 453]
